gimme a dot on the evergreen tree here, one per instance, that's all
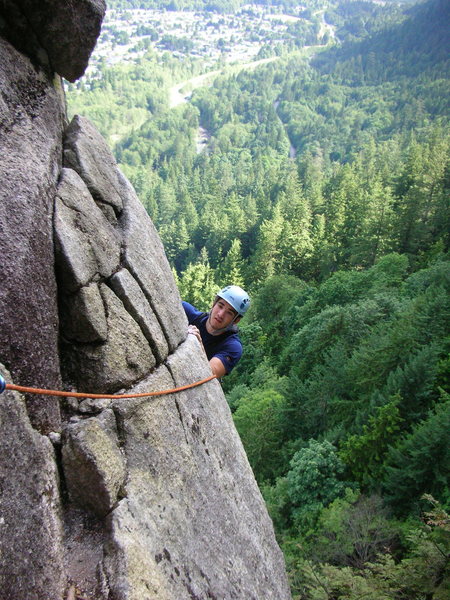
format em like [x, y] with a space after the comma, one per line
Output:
[230, 270]
[296, 236]
[197, 284]
[420, 463]
[267, 259]
[175, 238]
[365, 453]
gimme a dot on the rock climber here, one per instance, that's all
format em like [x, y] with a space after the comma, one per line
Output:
[216, 331]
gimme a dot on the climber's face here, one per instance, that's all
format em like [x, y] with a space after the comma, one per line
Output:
[222, 315]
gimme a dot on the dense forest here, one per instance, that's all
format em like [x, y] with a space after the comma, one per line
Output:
[320, 182]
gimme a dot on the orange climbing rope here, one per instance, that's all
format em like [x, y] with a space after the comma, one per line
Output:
[42, 392]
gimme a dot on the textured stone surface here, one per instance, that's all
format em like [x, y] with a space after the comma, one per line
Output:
[88, 154]
[128, 290]
[192, 508]
[124, 358]
[87, 246]
[145, 258]
[84, 536]
[157, 498]
[31, 124]
[58, 34]
[104, 235]
[108, 343]
[93, 464]
[31, 535]
[83, 317]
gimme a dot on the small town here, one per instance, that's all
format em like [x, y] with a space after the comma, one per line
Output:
[230, 37]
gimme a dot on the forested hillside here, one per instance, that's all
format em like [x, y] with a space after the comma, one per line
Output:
[319, 181]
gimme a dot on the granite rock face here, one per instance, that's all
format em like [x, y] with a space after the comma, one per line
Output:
[115, 498]
[120, 314]
[93, 463]
[31, 530]
[196, 544]
[31, 129]
[57, 35]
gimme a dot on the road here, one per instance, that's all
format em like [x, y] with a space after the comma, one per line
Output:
[181, 92]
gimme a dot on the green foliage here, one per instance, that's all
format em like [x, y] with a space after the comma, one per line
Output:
[424, 573]
[314, 480]
[391, 193]
[121, 98]
[272, 304]
[278, 503]
[420, 462]
[365, 453]
[352, 531]
[232, 267]
[253, 340]
[257, 419]
[335, 325]
[197, 285]
[245, 189]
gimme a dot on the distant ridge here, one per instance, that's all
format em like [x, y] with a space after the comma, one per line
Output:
[421, 42]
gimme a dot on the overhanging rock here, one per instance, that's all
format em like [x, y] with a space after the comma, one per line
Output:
[59, 35]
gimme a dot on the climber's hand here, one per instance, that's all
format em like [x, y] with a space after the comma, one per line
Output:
[193, 330]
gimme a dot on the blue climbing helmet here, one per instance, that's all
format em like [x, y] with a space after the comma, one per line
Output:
[237, 297]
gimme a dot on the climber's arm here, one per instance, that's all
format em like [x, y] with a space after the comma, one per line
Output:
[217, 367]
[226, 357]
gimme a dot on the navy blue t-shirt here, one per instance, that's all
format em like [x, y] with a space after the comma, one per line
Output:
[226, 346]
